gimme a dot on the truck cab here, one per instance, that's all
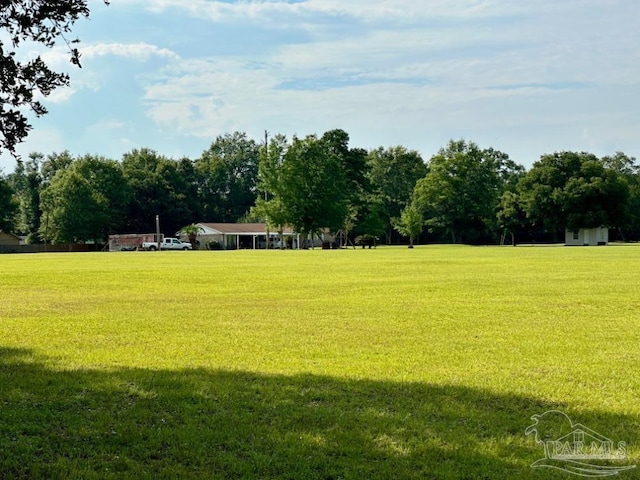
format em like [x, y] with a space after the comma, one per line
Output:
[167, 243]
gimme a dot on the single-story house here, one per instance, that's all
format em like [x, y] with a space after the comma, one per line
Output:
[587, 236]
[232, 236]
[9, 239]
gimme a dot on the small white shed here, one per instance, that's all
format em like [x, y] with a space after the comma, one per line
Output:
[587, 236]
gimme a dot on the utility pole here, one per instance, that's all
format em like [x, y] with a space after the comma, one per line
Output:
[266, 220]
[158, 232]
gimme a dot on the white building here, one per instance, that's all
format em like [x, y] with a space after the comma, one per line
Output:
[587, 236]
[231, 236]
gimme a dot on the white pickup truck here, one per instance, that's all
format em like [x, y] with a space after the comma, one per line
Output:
[167, 243]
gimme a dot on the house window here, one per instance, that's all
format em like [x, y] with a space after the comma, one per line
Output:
[576, 235]
[578, 436]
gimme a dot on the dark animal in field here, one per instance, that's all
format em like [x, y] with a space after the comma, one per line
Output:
[367, 241]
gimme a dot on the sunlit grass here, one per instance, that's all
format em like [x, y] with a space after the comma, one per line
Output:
[438, 330]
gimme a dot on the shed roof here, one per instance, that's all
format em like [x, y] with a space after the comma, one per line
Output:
[7, 238]
[9, 235]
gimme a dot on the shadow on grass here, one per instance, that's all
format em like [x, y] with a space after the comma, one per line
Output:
[135, 423]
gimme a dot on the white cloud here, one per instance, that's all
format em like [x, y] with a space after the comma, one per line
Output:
[59, 57]
[59, 95]
[204, 97]
[141, 52]
[89, 77]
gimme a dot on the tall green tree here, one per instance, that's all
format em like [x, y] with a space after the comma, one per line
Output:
[25, 22]
[629, 170]
[84, 202]
[228, 173]
[392, 173]
[8, 205]
[190, 185]
[373, 217]
[313, 186]
[27, 182]
[54, 163]
[354, 161]
[571, 190]
[410, 224]
[597, 197]
[509, 172]
[30, 178]
[71, 214]
[158, 187]
[269, 206]
[460, 194]
[511, 215]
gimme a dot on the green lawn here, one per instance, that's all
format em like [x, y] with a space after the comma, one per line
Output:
[386, 363]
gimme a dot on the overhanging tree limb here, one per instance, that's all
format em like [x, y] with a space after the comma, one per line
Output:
[40, 21]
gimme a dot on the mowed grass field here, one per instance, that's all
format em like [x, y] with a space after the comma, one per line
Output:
[385, 363]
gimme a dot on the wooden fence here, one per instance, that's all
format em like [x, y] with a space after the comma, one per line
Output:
[51, 248]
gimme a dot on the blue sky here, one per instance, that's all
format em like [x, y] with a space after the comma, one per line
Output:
[524, 77]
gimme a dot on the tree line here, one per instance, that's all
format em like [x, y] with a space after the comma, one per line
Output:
[462, 194]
